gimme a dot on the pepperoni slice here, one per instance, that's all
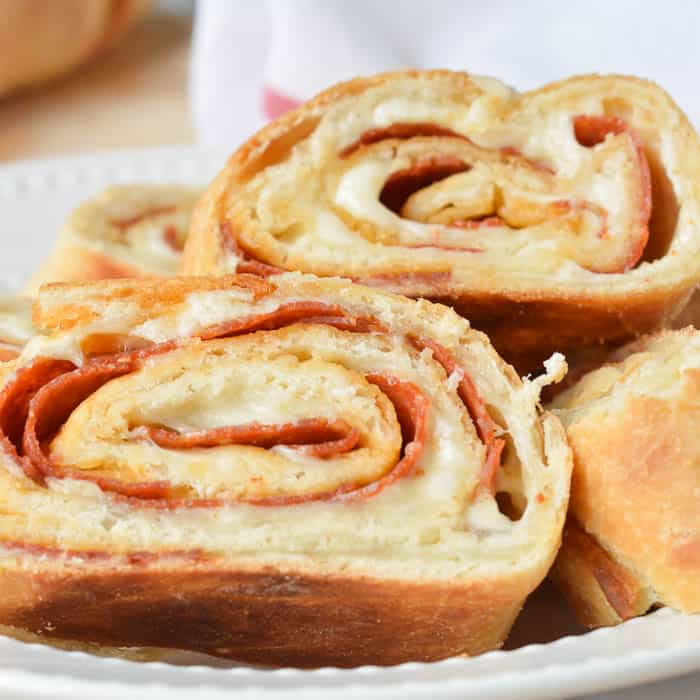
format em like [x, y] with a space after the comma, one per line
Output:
[293, 312]
[401, 184]
[494, 452]
[411, 406]
[590, 130]
[52, 390]
[247, 263]
[255, 267]
[171, 238]
[316, 437]
[14, 408]
[485, 426]
[466, 389]
[50, 407]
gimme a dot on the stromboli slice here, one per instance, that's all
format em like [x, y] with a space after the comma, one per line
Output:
[125, 231]
[285, 471]
[562, 216]
[632, 540]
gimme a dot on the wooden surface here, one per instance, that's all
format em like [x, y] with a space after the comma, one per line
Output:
[133, 96]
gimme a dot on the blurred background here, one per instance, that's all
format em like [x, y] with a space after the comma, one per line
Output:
[86, 75]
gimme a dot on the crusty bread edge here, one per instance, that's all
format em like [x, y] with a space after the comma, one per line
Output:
[259, 615]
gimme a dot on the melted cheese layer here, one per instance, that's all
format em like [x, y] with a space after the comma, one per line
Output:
[430, 519]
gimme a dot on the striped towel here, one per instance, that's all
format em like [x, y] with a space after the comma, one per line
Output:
[252, 61]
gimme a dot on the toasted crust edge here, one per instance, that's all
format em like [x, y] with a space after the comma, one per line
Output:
[75, 263]
[599, 590]
[259, 616]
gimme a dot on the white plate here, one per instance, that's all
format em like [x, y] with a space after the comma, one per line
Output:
[34, 199]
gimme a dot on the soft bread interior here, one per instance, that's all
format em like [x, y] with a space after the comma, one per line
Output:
[434, 525]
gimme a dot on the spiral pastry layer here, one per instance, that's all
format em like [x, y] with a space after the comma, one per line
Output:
[286, 471]
[126, 231]
[558, 217]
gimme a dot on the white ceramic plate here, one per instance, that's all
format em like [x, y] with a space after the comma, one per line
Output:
[34, 198]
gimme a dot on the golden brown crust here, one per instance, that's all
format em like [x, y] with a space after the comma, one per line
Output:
[261, 616]
[632, 425]
[524, 330]
[527, 317]
[62, 306]
[599, 589]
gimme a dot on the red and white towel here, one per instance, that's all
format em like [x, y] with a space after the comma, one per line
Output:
[254, 60]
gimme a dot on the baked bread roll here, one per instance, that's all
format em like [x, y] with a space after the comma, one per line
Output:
[43, 40]
[632, 540]
[16, 326]
[126, 231]
[297, 471]
[552, 219]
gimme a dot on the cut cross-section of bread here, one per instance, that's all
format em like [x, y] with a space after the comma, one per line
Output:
[556, 218]
[125, 231]
[291, 471]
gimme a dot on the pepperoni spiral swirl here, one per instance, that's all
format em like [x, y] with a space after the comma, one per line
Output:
[59, 403]
[185, 456]
[548, 219]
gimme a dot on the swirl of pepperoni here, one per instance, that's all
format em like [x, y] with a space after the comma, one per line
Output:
[43, 395]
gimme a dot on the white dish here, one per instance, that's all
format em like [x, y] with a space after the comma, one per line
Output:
[34, 199]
